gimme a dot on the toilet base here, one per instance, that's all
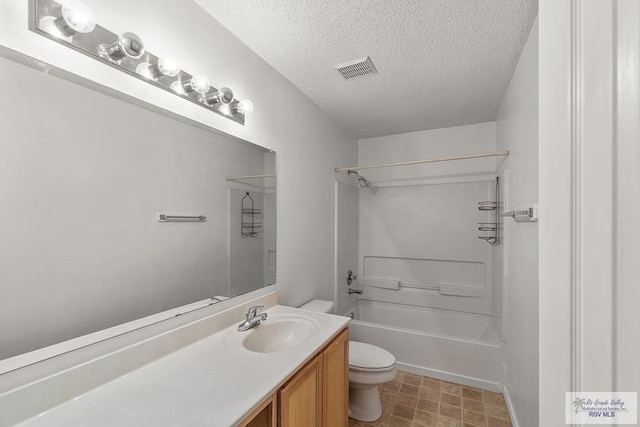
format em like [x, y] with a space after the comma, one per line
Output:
[364, 402]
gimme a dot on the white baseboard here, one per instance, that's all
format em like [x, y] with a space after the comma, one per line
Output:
[512, 412]
[448, 376]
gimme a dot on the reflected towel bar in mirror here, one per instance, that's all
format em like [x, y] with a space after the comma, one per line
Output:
[165, 217]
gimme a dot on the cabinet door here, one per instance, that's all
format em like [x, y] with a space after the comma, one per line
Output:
[335, 393]
[300, 400]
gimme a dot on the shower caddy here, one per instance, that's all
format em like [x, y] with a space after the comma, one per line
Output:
[249, 225]
[493, 227]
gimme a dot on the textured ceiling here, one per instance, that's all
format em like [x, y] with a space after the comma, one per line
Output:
[440, 62]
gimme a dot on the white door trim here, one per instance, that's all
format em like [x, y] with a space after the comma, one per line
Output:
[577, 199]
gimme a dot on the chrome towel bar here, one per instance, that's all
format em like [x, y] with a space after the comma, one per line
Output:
[524, 215]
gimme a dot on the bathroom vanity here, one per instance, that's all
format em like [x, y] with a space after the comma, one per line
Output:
[315, 395]
[291, 370]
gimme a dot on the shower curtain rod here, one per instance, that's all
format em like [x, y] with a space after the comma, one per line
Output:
[236, 178]
[417, 162]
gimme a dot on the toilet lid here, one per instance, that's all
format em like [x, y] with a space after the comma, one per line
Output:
[367, 356]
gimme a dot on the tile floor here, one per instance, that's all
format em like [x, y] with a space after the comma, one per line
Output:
[415, 401]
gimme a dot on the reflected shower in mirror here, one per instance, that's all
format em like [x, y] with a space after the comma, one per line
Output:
[85, 176]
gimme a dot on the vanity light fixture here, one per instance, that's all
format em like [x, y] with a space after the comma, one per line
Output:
[164, 67]
[197, 84]
[224, 95]
[74, 18]
[71, 23]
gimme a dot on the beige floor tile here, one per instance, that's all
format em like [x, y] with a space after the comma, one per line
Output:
[400, 422]
[450, 399]
[497, 411]
[495, 399]
[449, 411]
[386, 394]
[387, 406]
[402, 411]
[450, 388]
[414, 401]
[474, 418]
[495, 422]
[383, 421]
[427, 393]
[428, 405]
[472, 393]
[407, 400]
[412, 379]
[423, 418]
[410, 389]
[473, 405]
[431, 383]
[448, 422]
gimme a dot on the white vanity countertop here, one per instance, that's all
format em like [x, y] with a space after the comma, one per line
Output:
[203, 384]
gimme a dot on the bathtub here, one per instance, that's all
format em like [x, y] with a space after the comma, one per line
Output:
[448, 345]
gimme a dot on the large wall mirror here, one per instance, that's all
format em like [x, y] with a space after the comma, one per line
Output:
[84, 177]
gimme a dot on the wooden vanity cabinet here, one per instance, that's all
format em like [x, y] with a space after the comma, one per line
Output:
[335, 382]
[317, 395]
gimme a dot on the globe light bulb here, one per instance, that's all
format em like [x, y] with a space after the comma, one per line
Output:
[199, 84]
[75, 17]
[78, 17]
[164, 67]
[169, 67]
[245, 107]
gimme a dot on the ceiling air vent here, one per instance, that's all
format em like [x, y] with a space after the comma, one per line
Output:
[357, 68]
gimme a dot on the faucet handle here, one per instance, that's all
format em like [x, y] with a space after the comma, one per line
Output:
[254, 310]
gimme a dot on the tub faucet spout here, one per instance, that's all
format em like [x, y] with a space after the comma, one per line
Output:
[354, 291]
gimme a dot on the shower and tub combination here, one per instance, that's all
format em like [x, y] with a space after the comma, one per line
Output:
[426, 280]
[453, 346]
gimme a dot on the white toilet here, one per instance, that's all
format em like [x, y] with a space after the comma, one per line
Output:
[369, 366]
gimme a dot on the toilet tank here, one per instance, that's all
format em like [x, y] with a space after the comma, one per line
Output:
[318, 305]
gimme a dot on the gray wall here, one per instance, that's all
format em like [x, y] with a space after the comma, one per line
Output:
[517, 290]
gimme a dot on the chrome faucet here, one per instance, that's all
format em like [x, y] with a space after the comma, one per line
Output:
[253, 318]
[354, 291]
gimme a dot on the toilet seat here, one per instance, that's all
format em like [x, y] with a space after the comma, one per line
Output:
[369, 358]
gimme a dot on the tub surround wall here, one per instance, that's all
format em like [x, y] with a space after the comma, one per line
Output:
[517, 289]
[418, 224]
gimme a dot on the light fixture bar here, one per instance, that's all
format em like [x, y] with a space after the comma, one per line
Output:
[126, 53]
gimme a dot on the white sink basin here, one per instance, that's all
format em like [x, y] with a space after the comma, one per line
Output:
[279, 332]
